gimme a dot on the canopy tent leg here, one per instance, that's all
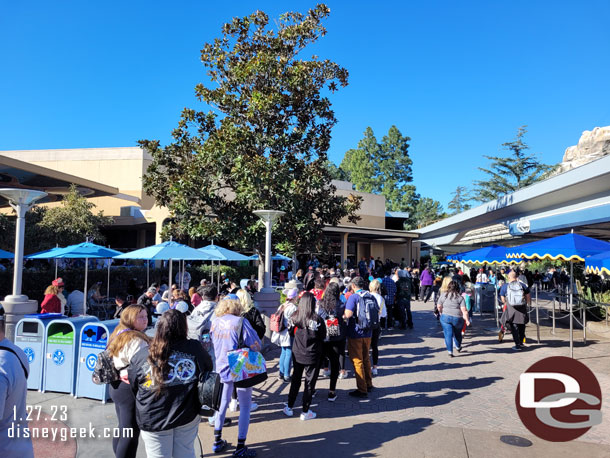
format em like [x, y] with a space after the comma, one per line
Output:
[85, 291]
[537, 316]
[571, 317]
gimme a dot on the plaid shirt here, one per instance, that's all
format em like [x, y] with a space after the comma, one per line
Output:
[390, 287]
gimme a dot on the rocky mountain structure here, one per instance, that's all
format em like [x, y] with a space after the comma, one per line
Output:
[593, 144]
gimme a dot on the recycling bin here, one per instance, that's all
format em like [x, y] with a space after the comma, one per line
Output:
[62, 346]
[93, 340]
[485, 297]
[30, 334]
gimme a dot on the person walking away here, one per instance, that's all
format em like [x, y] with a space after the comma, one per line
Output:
[331, 310]
[164, 378]
[126, 340]
[359, 339]
[283, 338]
[51, 303]
[452, 308]
[426, 280]
[375, 288]
[225, 332]
[308, 280]
[436, 288]
[403, 300]
[516, 297]
[309, 331]
[14, 371]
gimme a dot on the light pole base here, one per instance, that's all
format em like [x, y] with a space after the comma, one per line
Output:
[15, 307]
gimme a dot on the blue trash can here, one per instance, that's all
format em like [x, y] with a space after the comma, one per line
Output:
[62, 346]
[30, 336]
[93, 340]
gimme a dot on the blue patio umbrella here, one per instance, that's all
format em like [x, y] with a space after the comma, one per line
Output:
[569, 247]
[456, 257]
[86, 250]
[225, 254]
[275, 257]
[6, 255]
[598, 264]
[46, 254]
[493, 254]
[169, 251]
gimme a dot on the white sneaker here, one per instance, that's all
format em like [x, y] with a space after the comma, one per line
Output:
[343, 375]
[374, 371]
[233, 405]
[310, 415]
[253, 406]
[288, 411]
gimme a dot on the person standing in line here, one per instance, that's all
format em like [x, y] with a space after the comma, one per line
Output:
[164, 378]
[331, 311]
[375, 289]
[436, 288]
[390, 297]
[309, 332]
[126, 340]
[516, 297]
[452, 308]
[358, 342]
[426, 280]
[482, 276]
[403, 300]
[14, 371]
[225, 332]
[283, 338]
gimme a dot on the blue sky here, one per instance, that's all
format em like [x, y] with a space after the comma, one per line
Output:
[459, 78]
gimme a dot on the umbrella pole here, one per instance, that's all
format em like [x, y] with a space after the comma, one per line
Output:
[496, 288]
[571, 317]
[170, 280]
[56, 246]
[85, 291]
[537, 316]
[108, 286]
[147, 272]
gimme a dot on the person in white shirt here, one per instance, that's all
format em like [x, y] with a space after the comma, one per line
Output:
[375, 289]
[482, 276]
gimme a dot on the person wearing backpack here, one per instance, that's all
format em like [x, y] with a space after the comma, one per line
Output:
[331, 311]
[375, 289]
[516, 297]
[282, 336]
[309, 332]
[359, 332]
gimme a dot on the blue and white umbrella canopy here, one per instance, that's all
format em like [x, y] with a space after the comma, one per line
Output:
[598, 264]
[167, 251]
[223, 253]
[568, 247]
[6, 255]
[275, 257]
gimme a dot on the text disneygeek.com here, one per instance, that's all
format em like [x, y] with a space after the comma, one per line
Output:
[63, 433]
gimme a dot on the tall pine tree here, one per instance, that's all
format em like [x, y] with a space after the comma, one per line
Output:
[460, 200]
[510, 173]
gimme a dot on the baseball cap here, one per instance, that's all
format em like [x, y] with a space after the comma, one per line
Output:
[182, 307]
[58, 282]
[291, 293]
[152, 290]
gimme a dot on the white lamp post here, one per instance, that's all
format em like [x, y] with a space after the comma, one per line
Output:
[269, 217]
[21, 200]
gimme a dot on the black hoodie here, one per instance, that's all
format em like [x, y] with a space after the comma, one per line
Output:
[307, 346]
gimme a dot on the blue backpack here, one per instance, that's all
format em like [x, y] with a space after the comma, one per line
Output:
[367, 313]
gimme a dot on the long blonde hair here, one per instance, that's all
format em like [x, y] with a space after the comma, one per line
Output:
[445, 284]
[128, 321]
[245, 300]
[51, 289]
[374, 286]
[228, 307]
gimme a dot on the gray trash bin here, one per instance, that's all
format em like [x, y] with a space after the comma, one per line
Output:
[62, 346]
[93, 340]
[30, 336]
[485, 297]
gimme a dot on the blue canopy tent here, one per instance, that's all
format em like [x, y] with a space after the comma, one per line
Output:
[493, 254]
[569, 247]
[224, 254]
[168, 251]
[598, 264]
[275, 257]
[86, 250]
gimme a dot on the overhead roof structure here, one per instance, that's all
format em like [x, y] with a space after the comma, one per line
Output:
[18, 174]
[578, 199]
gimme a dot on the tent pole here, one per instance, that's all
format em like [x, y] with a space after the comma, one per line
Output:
[496, 288]
[537, 316]
[56, 246]
[148, 272]
[85, 295]
[170, 280]
[571, 317]
[108, 286]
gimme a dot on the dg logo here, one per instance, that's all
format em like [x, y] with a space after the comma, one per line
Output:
[559, 399]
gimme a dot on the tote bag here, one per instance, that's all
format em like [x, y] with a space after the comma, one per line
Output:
[247, 367]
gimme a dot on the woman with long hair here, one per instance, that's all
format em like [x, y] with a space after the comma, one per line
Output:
[283, 338]
[51, 302]
[375, 290]
[452, 307]
[126, 340]
[164, 378]
[330, 309]
[309, 332]
[225, 332]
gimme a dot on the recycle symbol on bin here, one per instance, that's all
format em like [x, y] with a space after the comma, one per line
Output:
[59, 357]
[90, 361]
[30, 354]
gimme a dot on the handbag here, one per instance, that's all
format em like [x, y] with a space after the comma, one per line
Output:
[209, 389]
[246, 367]
[104, 370]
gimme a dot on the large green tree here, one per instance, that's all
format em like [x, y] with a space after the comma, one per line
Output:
[460, 201]
[509, 173]
[263, 142]
[383, 168]
[427, 211]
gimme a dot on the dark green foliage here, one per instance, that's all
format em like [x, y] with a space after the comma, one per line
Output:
[460, 200]
[510, 173]
[262, 145]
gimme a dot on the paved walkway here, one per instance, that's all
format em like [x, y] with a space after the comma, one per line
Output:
[425, 403]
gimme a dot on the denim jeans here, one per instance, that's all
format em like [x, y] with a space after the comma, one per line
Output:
[285, 361]
[452, 328]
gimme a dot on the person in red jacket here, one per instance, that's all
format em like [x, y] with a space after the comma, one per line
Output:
[51, 303]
